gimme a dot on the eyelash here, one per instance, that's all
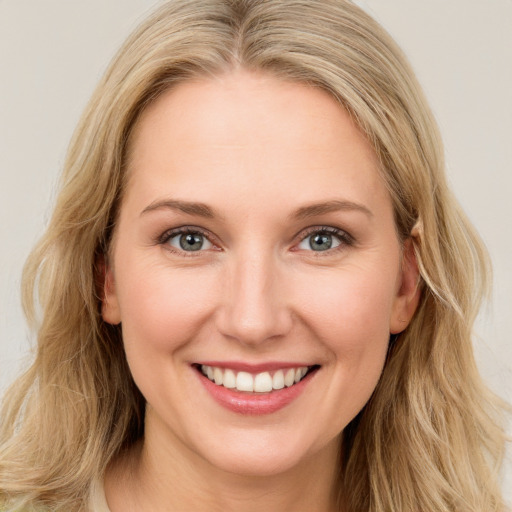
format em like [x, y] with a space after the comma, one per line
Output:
[344, 238]
[184, 230]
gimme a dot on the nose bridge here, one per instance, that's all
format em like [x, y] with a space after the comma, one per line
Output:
[254, 307]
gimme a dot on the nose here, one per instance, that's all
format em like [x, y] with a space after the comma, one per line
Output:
[254, 307]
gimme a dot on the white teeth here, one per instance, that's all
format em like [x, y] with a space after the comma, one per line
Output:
[298, 374]
[217, 376]
[263, 382]
[244, 382]
[229, 379]
[278, 380]
[289, 378]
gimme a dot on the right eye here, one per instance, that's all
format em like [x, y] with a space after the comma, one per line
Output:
[188, 241]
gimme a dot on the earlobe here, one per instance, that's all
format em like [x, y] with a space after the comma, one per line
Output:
[109, 303]
[409, 292]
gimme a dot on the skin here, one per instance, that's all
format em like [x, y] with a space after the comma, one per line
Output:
[258, 152]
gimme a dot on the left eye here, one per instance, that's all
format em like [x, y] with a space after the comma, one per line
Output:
[320, 241]
[190, 241]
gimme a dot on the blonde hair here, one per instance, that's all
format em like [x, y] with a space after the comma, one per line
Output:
[429, 439]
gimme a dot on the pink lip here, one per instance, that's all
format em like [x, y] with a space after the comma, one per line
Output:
[253, 403]
[239, 366]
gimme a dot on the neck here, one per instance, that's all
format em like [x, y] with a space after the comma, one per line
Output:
[161, 473]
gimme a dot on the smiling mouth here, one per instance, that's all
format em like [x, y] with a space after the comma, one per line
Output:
[263, 382]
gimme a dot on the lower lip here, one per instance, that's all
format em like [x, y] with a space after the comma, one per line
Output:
[254, 403]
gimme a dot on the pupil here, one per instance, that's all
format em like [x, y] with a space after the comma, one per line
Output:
[320, 242]
[191, 242]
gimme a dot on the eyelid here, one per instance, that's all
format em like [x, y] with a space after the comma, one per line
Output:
[345, 238]
[180, 230]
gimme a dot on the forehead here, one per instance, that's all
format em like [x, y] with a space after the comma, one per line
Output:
[246, 130]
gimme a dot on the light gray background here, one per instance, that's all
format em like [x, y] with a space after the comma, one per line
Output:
[52, 53]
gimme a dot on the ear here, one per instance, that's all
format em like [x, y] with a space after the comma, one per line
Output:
[408, 293]
[106, 286]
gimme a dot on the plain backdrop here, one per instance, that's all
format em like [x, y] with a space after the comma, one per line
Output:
[52, 53]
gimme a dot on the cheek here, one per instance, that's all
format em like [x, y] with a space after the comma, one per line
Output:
[349, 308]
[349, 313]
[162, 308]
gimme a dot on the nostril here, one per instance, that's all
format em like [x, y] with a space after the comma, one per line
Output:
[254, 307]
[254, 327]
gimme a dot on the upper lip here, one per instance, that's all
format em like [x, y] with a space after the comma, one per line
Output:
[254, 367]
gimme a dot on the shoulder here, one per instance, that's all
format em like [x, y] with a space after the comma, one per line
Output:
[97, 499]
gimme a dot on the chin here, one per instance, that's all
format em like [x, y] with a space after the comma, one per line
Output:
[262, 455]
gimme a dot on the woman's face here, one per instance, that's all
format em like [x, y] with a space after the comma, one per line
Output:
[255, 242]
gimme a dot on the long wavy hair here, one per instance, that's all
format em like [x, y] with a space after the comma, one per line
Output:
[430, 438]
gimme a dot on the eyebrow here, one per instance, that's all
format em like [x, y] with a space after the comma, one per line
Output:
[305, 212]
[198, 209]
[313, 210]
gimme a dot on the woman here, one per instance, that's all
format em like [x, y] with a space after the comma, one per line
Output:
[254, 273]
